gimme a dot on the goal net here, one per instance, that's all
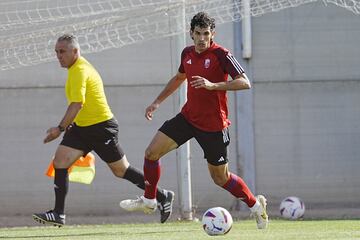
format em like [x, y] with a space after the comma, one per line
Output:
[29, 28]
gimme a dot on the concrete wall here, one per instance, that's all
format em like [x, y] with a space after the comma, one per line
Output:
[306, 117]
[306, 111]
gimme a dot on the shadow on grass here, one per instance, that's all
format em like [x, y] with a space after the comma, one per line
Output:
[53, 236]
[57, 236]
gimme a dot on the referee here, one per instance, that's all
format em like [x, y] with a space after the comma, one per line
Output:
[89, 125]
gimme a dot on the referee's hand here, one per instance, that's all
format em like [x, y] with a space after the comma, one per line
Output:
[52, 133]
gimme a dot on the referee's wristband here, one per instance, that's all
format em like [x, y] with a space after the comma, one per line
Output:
[61, 128]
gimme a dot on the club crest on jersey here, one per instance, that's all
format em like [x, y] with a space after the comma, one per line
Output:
[207, 63]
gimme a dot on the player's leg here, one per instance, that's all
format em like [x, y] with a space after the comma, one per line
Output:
[165, 198]
[123, 169]
[159, 146]
[215, 145]
[172, 133]
[238, 188]
[64, 157]
[107, 147]
[232, 183]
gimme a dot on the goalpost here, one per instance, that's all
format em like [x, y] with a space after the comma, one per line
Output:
[29, 29]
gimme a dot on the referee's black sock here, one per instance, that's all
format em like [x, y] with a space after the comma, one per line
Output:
[136, 177]
[61, 186]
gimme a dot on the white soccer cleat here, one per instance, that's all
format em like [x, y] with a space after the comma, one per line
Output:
[140, 204]
[262, 219]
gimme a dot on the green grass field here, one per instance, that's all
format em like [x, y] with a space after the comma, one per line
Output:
[244, 229]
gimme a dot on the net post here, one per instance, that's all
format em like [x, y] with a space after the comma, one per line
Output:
[183, 153]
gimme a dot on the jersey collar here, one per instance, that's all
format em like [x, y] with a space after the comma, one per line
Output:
[212, 46]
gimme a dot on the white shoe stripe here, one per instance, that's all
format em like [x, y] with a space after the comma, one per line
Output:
[47, 216]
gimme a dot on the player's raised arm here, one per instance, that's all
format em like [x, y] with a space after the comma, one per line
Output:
[170, 87]
[240, 82]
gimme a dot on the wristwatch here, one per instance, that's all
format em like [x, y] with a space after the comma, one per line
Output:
[61, 128]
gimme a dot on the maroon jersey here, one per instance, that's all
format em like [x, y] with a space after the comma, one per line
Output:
[206, 109]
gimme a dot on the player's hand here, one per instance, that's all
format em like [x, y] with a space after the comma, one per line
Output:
[52, 133]
[200, 82]
[149, 111]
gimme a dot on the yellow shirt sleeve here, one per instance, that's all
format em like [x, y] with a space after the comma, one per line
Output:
[77, 82]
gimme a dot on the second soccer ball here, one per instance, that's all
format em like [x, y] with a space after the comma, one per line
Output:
[292, 208]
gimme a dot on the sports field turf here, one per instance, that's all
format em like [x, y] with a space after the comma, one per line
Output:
[243, 229]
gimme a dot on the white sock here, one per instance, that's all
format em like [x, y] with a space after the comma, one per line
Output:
[256, 207]
[149, 202]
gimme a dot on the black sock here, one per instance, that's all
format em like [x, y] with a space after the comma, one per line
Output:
[136, 177]
[61, 187]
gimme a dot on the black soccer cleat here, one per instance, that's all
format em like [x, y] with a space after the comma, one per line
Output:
[166, 206]
[50, 217]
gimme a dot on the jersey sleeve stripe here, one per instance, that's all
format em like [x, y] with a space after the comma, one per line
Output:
[235, 63]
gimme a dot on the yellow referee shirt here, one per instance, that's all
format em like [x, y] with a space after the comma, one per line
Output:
[85, 85]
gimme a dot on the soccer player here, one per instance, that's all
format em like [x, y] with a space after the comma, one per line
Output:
[204, 116]
[89, 125]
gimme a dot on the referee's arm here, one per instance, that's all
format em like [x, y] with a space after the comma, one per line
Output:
[70, 114]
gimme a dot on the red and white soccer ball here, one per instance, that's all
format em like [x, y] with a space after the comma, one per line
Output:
[292, 208]
[217, 221]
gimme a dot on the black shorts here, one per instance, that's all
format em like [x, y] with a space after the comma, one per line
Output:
[101, 137]
[214, 144]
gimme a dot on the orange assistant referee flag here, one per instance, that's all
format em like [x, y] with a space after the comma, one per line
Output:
[82, 170]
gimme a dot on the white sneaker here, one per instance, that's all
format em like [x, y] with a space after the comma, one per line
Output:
[262, 219]
[140, 204]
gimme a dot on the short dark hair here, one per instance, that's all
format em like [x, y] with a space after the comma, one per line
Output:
[202, 20]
